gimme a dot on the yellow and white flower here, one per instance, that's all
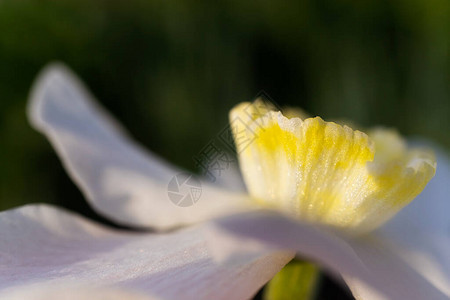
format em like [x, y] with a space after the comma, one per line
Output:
[316, 189]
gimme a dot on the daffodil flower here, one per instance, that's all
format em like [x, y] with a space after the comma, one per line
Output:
[316, 190]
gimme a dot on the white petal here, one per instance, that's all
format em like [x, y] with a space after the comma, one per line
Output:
[371, 265]
[404, 266]
[45, 248]
[75, 293]
[117, 176]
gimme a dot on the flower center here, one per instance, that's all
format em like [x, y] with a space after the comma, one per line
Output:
[323, 172]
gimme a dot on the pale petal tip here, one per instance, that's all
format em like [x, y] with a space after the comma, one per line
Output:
[45, 80]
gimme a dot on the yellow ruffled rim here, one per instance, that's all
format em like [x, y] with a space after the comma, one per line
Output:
[327, 173]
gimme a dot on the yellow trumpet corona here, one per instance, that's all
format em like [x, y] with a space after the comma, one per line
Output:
[326, 173]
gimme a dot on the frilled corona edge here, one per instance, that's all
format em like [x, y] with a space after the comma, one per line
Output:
[324, 172]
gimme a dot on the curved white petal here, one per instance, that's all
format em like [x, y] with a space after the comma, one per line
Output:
[371, 265]
[119, 179]
[73, 293]
[46, 248]
[405, 266]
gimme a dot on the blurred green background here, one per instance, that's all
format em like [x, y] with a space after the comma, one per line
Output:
[170, 71]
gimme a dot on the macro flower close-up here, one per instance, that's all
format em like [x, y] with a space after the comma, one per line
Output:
[364, 207]
[205, 150]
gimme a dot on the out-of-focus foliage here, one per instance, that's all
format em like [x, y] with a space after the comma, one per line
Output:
[170, 71]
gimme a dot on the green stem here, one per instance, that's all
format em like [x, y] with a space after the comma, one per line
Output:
[297, 280]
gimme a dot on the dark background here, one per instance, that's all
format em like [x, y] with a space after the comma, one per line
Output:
[170, 71]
